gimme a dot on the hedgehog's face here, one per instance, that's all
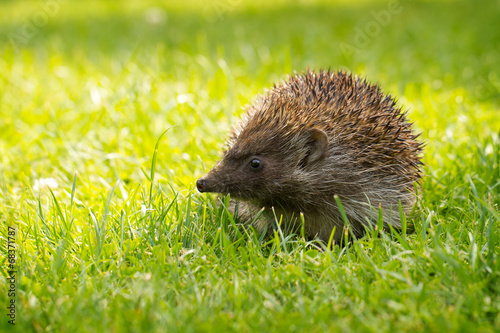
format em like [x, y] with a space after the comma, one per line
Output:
[268, 174]
[253, 177]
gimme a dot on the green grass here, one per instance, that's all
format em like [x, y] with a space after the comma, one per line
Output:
[125, 243]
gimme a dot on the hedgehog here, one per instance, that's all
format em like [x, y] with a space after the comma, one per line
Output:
[312, 141]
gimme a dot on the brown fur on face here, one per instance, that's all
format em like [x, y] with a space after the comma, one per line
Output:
[315, 136]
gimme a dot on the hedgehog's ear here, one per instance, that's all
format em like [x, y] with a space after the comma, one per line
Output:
[316, 145]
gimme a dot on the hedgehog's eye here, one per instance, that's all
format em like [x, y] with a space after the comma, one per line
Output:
[255, 164]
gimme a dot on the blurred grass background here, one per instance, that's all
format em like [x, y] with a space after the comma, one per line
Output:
[88, 87]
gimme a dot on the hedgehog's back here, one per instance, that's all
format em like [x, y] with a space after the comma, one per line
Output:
[353, 112]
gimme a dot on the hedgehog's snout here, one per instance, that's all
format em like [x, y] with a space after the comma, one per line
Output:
[201, 185]
[207, 183]
[204, 184]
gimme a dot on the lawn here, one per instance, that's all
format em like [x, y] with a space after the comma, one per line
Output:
[99, 210]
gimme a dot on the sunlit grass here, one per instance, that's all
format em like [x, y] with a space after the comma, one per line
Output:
[111, 232]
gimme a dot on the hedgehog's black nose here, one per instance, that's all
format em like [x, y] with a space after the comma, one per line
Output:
[201, 184]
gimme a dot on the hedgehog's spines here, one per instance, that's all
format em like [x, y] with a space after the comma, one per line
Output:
[372, 152]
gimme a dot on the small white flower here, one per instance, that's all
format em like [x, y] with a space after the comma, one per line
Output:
[182, 98]
[50, 183]
[155, 16]
[95, 96]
